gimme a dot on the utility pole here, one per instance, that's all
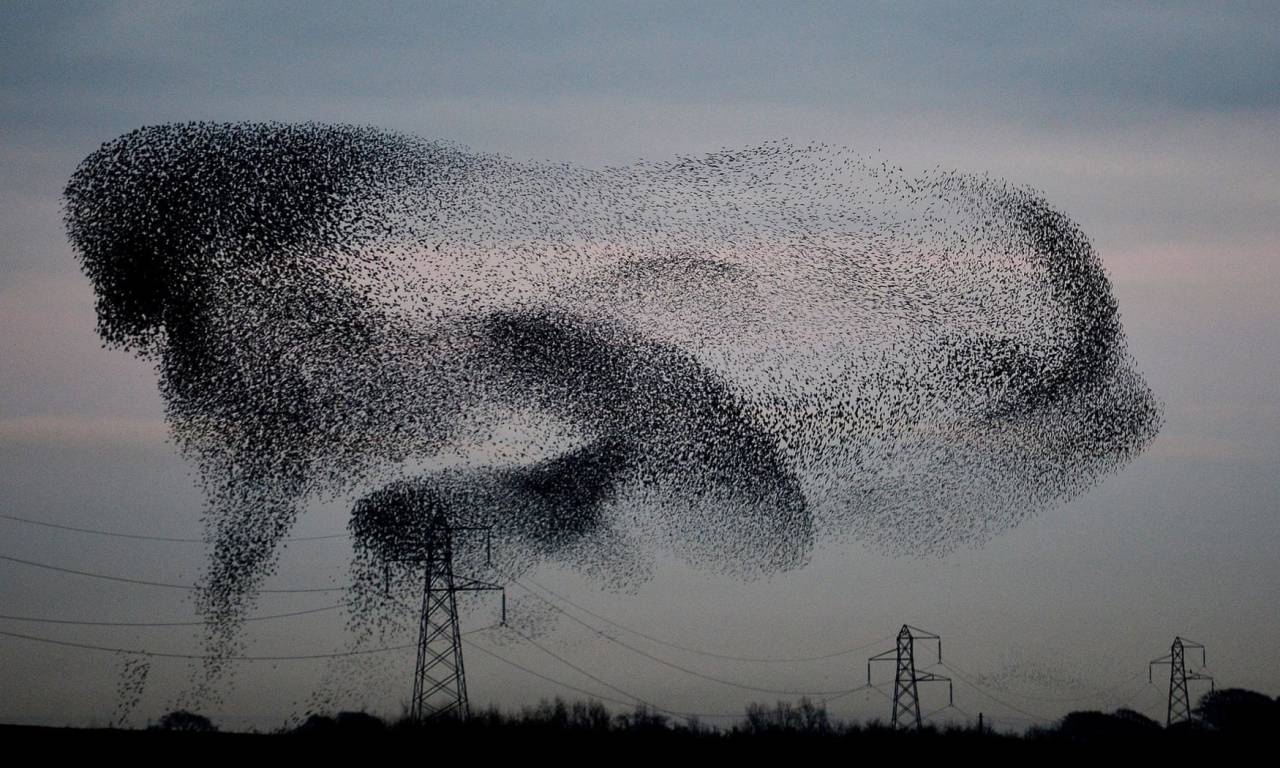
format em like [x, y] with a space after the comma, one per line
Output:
[1179, 701]
[439, 678]
[906, 694]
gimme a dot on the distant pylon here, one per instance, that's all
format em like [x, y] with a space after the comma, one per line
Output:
[906, 692]
[439, 678]
[1179, 700]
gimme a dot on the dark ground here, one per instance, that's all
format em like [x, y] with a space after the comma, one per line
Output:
[1224, 720]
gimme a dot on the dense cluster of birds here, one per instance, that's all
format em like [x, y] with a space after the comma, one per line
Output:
[730, 357]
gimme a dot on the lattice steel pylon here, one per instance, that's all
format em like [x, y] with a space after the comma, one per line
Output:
[439, 677]
[906, 691]
[1179, 700]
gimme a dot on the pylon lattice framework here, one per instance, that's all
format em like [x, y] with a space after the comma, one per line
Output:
[1179, 700]
[439, 676]
[906, 690]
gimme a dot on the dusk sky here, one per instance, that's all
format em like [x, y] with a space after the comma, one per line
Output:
[1155, 127]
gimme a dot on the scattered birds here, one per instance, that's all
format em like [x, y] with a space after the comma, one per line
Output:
[130, 688]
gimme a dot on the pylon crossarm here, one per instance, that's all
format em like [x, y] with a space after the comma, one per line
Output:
[886, 656]
[1151, 666]
[929, 677]
[922, 634]
[1194, 645]
[916, 633]
[467, 584]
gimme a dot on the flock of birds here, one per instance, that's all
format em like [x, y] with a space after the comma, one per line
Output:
[731, 357]
[130, 687]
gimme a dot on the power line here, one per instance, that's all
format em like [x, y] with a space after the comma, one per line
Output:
[613, 687]
[552, 680]
[187, 587]
[141, 537]
[142, 582]
[547, 678]
[1102, 693]
[686, 670]
[578, 669]
[634, 699]
[41, 620]
[196, 656]
[651, 638]
[207, 657]
[585, 610]
[979, 689]
[838, 696]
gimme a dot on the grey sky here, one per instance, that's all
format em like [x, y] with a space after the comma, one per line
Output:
[1153, 125]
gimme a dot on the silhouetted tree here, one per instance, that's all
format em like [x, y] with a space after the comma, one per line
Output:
[590, 715]
[347, 723]
[553, 714]
[1092, 726]
[182, 720]
[1136, 718]
[643, 718]
[317, 724]
[804, 717]
[1237, 710]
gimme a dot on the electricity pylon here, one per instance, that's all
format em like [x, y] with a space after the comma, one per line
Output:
[1179, 701]
[439, 678]
[906, 693]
